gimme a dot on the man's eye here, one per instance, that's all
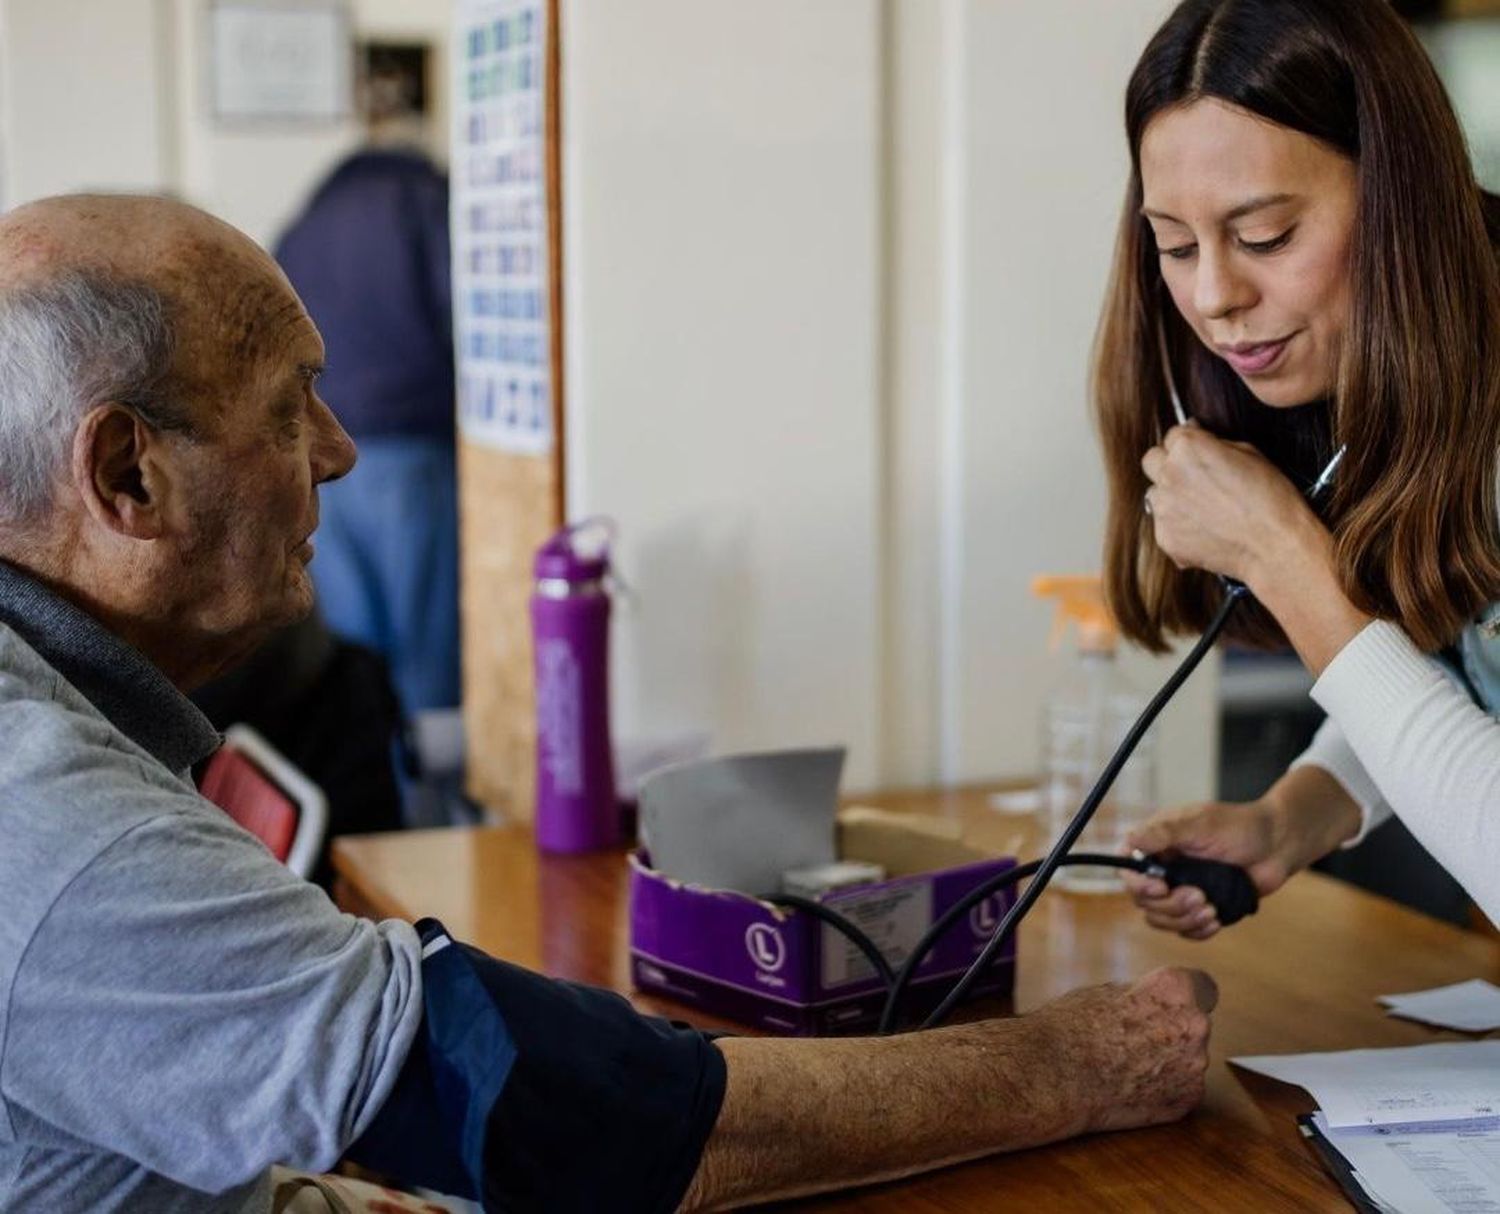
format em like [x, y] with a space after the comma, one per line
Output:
[1179, 252]
[1267, 246]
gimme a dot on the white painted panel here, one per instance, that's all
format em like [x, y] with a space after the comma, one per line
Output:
[722, 249]
[82, 107]
[918, 158]
[1040, 135]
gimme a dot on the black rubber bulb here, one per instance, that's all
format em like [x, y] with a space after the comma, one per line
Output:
[1227, 886]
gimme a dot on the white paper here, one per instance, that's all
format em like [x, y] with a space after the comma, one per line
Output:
[740, 822]
[1429, 1170]
[1472, 1007]
[1443, 1082]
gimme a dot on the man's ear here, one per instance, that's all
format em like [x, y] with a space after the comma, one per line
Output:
[119, 471]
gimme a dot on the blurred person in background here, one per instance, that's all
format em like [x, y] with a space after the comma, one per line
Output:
[369, 256]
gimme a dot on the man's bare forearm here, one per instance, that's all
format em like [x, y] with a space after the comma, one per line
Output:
[802, 1116]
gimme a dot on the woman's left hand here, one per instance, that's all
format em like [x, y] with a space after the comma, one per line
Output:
[1222, 506]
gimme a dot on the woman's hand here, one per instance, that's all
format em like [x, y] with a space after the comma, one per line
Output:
[1304, 816]
[1242, 834]
[1224, 507]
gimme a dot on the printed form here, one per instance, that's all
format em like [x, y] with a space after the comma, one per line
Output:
[1449, 1081]
[1427, 1169]
[1419, 1127]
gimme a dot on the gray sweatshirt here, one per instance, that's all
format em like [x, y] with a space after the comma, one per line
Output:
[177, 1011]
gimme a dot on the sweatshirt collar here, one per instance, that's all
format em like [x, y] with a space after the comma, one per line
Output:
[113, 676]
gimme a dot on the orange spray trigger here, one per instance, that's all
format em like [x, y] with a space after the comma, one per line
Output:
[1080, 600]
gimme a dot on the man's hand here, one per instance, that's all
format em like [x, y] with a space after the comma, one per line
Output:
[1141, 1051]
[804, 1116]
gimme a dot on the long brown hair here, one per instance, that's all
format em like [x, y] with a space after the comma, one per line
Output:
[1413, 507]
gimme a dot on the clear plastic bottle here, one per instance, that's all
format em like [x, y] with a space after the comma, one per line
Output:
[1083, 722]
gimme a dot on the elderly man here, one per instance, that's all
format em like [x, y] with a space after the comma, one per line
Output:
[177, 1012]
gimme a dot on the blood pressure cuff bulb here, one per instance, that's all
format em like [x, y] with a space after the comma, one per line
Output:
[526, 1093]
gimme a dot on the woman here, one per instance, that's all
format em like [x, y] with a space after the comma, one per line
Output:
[1306, 256]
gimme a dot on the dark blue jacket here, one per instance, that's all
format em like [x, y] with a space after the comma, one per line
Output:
[369, 256]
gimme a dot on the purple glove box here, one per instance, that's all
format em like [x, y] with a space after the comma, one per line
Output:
[735, 956]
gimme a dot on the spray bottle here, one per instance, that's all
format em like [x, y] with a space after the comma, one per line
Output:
[1083, 721]
[575, 780]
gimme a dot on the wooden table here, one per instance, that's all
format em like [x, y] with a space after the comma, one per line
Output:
[1301, 975]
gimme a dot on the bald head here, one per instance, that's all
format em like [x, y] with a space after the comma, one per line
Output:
[221, 288]
[161, 438]
[145, 301]
[143, 238]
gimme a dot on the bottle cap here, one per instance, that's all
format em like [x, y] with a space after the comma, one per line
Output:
[1080, 600]
[577, 553]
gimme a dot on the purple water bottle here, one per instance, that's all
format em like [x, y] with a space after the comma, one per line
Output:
[575, 776]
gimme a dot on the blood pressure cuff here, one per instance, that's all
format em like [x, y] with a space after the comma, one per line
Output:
[527, 1093]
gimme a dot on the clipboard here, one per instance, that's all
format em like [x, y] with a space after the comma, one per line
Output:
[1337, 1167]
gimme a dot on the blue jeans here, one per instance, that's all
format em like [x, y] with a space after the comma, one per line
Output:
[386, 568]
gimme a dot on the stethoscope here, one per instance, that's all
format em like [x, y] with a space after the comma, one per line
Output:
[1227, 887]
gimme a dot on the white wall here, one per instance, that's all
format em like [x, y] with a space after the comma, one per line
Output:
[722, 244]
[1466, 53]
[916, 190]
[833, 274]
[113, 94]
[1036, 129]
[83, 99]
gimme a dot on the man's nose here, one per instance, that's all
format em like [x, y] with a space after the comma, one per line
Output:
[1219, 289]
[333, 453]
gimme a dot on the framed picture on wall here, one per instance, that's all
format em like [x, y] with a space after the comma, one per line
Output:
[280, 60]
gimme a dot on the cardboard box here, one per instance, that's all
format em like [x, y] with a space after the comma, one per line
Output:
[781, 970]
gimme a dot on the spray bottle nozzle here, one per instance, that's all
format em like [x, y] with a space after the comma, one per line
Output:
[1080, 600]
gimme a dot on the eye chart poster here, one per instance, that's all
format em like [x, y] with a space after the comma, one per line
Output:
[502, 310]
